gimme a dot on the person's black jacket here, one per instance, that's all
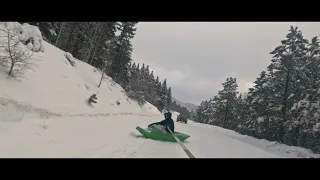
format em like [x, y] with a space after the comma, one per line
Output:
[168, 122]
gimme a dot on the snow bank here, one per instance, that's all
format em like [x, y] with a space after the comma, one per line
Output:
[270, 146]
[31, 36]
[70, 58]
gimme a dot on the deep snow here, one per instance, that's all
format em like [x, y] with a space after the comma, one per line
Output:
[46, 115]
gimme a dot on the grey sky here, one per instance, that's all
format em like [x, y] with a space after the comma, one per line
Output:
[196, 57]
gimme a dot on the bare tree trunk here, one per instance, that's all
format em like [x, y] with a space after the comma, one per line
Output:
[97, 43]
[70, 36]
[118, 58]
[284, 107]
[102, 76]
[93, 42]
[226, 112]
[10, 53]
[88, 49]
[11, 68]
[61, 28]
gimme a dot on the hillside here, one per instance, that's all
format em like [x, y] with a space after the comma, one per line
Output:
[56, 87]
[179, 102]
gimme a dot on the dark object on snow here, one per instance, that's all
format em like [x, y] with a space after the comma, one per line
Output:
[118, 103]
[168, 122]
[93, 98]
[181, 118]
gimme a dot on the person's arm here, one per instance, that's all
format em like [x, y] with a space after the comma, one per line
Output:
[151, 124]
[164, 122]
[156, 123]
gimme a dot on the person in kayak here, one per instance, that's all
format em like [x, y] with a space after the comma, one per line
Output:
[166, 123]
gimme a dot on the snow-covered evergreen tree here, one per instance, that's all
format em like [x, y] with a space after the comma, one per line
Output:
[305, 112]
[244, 120]
[204, 112]
[287, 64]
[263, 107]
[159, 103]
[169, 98]
[163, 96]
[225, 103]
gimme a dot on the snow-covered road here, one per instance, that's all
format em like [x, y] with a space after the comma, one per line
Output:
[46, 114]
[115, 136]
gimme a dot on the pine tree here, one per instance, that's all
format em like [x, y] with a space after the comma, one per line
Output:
[305, 113]
[141, 80]
[287, 64]
[155, 90]
[203, 113]
[159, 103]
[146, 72]
[313, 63]
[150, 89]
[263, 108]
[169, 98]
[106, 56]
[49, 30]
[306, 122]
[137, 69]
[164, 95]
[70, 37]
[120, 70]
[133, 66]
[193, 116]
[105, 33]
[242, 113]
[134, 77]
[225, 109]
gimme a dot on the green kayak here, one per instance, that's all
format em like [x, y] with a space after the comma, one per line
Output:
[156, 134]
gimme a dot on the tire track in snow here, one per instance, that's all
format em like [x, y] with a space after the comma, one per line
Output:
[160, 149]
[134, 147]
[126, 147]
[145, 148]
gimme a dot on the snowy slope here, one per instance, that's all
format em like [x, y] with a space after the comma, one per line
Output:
[46, 115]
[59, 88]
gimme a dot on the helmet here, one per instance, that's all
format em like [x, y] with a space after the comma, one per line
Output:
[167, 115]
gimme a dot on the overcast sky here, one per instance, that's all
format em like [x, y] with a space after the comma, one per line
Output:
[196, 57]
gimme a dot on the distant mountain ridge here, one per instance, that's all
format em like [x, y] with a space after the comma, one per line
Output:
[189, 106]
